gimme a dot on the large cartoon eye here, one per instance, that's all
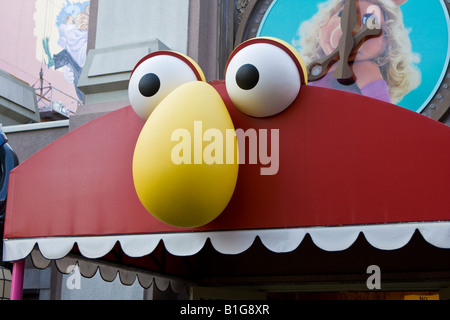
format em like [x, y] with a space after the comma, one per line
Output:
[158, 74]
[263, 76]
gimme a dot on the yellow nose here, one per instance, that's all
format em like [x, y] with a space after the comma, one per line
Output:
[185, 162]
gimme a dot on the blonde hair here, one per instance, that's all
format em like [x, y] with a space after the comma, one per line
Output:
[397, 63]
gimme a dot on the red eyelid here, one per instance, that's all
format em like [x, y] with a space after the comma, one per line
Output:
[269, 41]
[169, 53]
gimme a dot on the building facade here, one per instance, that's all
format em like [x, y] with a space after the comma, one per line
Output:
[120, 33]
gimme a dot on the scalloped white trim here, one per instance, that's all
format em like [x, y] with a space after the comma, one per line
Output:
[380, 236]
[109, 272]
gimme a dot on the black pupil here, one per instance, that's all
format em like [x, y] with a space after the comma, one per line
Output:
[247, 77]
[149, 85]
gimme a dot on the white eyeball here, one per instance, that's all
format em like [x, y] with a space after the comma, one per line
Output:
[264, 76]
[158, 74]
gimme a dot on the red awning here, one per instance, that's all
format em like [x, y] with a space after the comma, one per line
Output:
[347, 164]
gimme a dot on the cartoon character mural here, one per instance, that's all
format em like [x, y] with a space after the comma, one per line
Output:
[72, 23]
[395, 66]
[384, 66]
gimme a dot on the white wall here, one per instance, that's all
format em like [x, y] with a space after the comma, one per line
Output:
[122, 22]
[126, 31]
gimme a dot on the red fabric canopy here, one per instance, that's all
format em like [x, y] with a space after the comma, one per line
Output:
[344, 159]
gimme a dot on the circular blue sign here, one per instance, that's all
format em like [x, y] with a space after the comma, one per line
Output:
[425, 24]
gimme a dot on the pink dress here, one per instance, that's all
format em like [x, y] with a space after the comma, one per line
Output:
[377, 89]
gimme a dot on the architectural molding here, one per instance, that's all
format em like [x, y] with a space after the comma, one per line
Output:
[108, 70]
[18, 104]
[251, 14]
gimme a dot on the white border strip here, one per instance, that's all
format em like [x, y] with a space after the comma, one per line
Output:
[445, 67]
[380, 236]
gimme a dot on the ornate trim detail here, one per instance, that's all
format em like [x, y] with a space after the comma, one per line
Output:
[251, 14]
[439, 105]
[241, 5]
